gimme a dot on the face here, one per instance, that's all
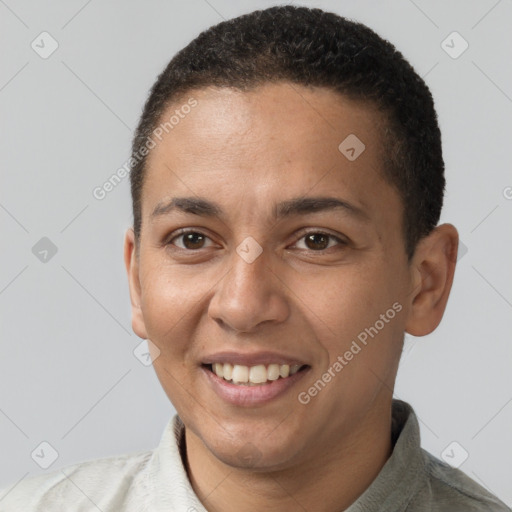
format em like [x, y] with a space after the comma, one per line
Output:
[264, 244]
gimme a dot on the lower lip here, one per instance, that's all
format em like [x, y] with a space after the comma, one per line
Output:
[242, 395]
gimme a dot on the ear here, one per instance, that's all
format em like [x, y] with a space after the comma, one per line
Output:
[433, 268]
[131, 261]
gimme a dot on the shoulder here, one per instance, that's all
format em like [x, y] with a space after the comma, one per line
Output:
[86, 484]
[451, 489]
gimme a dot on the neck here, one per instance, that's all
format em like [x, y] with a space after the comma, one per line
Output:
[331, 480]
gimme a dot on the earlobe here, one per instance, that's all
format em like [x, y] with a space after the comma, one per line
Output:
[433, 267]
[131, 262]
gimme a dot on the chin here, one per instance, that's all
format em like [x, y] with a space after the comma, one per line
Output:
[245, 450]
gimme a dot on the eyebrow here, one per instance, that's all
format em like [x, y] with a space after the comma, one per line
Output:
[289, 208]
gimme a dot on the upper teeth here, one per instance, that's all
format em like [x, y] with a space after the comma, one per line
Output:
[258, 374]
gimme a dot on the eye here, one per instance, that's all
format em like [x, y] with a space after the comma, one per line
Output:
[190, 240]
[320, 241]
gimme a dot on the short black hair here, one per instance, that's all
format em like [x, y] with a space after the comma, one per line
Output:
[311, 47]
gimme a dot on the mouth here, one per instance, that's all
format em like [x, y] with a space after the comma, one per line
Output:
[257, 375]
[246, 386]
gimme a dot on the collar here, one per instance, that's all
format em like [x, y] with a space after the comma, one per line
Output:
[167, 487]
[400, 477]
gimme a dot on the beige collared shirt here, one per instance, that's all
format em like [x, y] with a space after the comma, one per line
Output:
[412, 480]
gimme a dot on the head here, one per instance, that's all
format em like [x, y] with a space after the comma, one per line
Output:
[301, 154]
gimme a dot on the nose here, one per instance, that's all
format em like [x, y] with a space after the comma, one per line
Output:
[250, 294]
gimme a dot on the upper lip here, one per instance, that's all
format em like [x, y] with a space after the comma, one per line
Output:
[252, 359]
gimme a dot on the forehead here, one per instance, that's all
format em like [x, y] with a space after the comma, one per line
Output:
[274, 141]
[307, 120]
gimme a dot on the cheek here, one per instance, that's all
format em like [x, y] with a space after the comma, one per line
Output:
[344, 302]
[357, 317]
[170, 302]
[170, 299]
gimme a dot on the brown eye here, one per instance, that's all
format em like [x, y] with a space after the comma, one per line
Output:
[189, 240]
[319, 241]
[193, 240]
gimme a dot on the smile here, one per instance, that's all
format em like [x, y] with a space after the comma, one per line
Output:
[254, 375]
[246, 386]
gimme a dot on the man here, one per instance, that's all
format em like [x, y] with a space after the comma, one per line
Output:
[287, 181]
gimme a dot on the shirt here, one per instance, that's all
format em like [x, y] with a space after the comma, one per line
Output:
[411, 480]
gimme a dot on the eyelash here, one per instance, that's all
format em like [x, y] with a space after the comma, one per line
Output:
[183, 232]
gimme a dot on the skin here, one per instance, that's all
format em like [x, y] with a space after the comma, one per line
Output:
[247, 151]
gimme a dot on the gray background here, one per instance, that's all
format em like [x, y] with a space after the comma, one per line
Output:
[68, 375]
